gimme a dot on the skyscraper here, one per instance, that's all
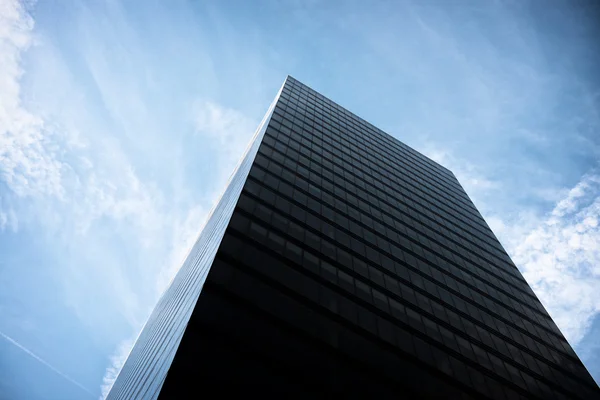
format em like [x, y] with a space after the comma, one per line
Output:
[339, 261]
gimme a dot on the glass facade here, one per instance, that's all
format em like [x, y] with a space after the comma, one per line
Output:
[352, 265]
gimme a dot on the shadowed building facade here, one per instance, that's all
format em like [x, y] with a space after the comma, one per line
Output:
[340, 261]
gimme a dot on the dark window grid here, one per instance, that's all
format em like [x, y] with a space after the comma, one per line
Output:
[396, 162]
[332, 316]
[361, 130]
[394, 172]
[528, 290]
[447, 184]
[447, 217]
[450, 301]
[480, 299]
[342, 140]
[476, 335]
[461, 187]
[386, 313]
[394, 166]
[266, 284]
[499, 254]
[353, 322]
[479, 261]
[342, 143]
[305, 185]
[373, 134]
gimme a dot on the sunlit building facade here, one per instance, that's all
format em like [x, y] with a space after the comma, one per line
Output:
[341, 262]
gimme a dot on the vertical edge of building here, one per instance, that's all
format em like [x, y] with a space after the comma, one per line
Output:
[146, 366]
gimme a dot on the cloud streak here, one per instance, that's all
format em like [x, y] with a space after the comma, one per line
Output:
[47, 364]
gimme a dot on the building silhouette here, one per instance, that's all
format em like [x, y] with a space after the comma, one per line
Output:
[341, 262]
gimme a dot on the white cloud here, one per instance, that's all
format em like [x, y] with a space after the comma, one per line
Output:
[3, 220]
[575, 197]
[185, 234]
[8, 219]
[25, 166]
[225, 129]
[226, 132]
[33, 152]
[559, 255]
[471, 177]
[116, 363]
[65, 178]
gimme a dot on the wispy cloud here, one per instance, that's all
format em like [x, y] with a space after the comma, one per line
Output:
[70, 178]
[557, 251]
[471, 177]
[183, 236]
[8, 219]
[47, 364]
[25, 166]
[560, 258]
[226, 131]
[117, 359]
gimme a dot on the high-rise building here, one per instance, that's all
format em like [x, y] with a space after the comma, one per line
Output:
[341, 262]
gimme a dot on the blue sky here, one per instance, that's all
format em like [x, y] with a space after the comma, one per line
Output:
[120, 122]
